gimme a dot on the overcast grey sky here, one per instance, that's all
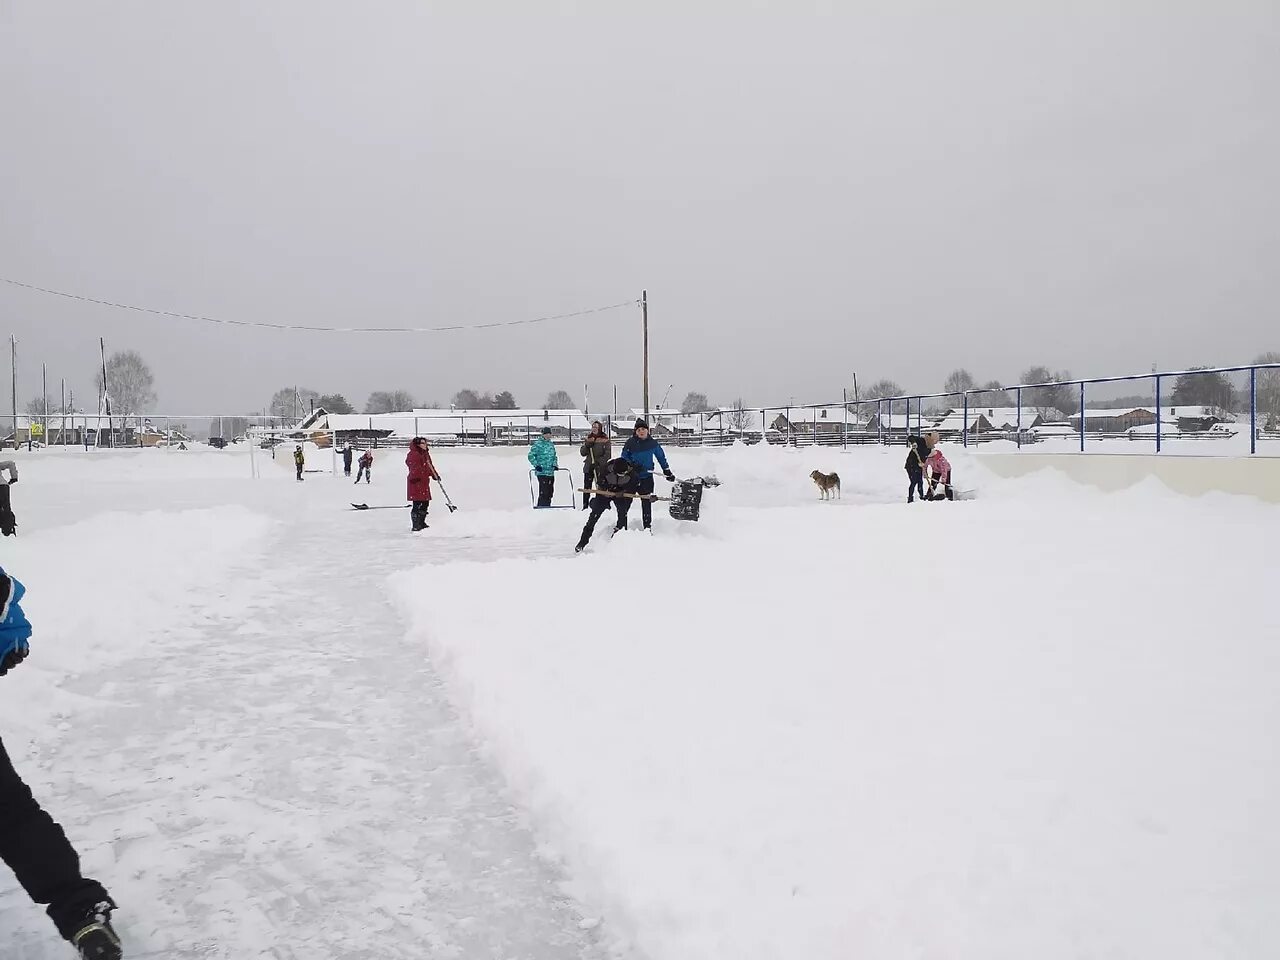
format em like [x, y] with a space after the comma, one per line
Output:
[806, 190]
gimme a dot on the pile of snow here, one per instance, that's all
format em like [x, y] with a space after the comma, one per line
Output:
[999, 729]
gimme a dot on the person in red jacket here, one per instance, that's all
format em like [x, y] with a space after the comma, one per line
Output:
[421, 472]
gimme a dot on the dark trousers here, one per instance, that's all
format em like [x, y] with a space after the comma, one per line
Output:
[346, 468]
[646, 506]
[945, 483]
[299, 466]
[34, 847]
[546, 488]
[364, 472]
[419, 514]
[588, 481]
[599, 505]
[915, 482]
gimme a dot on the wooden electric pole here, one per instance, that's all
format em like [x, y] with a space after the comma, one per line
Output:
[13, 373]
[106, 397]
[644, 311]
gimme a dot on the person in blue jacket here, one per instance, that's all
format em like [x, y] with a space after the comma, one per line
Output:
[542, 457]
[32, 844]
[641, 449]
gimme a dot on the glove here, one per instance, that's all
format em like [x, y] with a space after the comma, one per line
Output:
[671, 477]
[13, 658]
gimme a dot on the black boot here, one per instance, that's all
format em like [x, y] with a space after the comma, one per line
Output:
[94, 938]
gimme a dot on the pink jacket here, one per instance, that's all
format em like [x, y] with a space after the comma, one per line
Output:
[937, 465]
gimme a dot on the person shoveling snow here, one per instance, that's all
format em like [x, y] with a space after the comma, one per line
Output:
[32, 844]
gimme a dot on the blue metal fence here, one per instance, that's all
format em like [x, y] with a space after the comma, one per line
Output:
[782, 424]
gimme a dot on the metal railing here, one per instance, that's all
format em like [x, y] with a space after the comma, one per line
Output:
[1033, 416]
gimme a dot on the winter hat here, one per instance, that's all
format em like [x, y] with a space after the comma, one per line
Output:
[546, 431]
[642, 422]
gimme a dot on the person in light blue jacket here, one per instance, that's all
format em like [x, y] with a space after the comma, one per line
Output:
[542, 457]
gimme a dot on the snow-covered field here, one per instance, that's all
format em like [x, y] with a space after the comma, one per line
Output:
[1038, 724]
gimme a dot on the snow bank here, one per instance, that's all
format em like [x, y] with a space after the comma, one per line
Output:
[101, 590]
[1040, 724]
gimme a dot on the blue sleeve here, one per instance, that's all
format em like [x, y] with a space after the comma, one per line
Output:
[662, 457]
[15, 629]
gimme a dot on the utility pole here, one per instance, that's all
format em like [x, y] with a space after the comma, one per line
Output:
[44, 392]
[106, 397]
[13, 373]
[644, 310]
[63, 436]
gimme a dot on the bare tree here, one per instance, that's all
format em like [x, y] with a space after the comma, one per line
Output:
[559, 400]
[390, 401]
[1050, 400]
[335, 403]
[504, 401]
[694, 402]
[466, 399]
[292, 403]
[37, 406]
[129, 383]
[959, 381]
[881, 389]
[737, 418]
[1268, 387]
[1205, 390]
[994, 395]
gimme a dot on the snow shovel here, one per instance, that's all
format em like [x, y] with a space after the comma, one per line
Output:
[628, 496]
[365, 506]
[447, 501]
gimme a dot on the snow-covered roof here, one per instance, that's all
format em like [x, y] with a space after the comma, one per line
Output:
[448, 422]
[1192, 412]
[822, 415]
[1003, 418]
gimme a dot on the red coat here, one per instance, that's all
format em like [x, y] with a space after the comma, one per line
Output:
[421, 472]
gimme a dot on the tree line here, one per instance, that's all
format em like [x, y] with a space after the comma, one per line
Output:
[1056, 396]
[131, 389]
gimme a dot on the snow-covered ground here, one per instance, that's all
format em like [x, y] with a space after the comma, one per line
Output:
[1037, 724]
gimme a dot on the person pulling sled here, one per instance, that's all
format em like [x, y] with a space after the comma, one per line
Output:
[616, 487]
[542, 458]
[421, 472]
[32, 844]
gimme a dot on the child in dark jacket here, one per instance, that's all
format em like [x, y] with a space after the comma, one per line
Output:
[917, 455]
[618, 478]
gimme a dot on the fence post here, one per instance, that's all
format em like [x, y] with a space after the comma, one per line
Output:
[1018, 424]
[844, 437]
[965, 426]
[1082, 416]
[880, 422]
[1158, 416]
[1253, 410]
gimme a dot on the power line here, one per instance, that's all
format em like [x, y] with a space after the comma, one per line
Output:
[309, 328]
